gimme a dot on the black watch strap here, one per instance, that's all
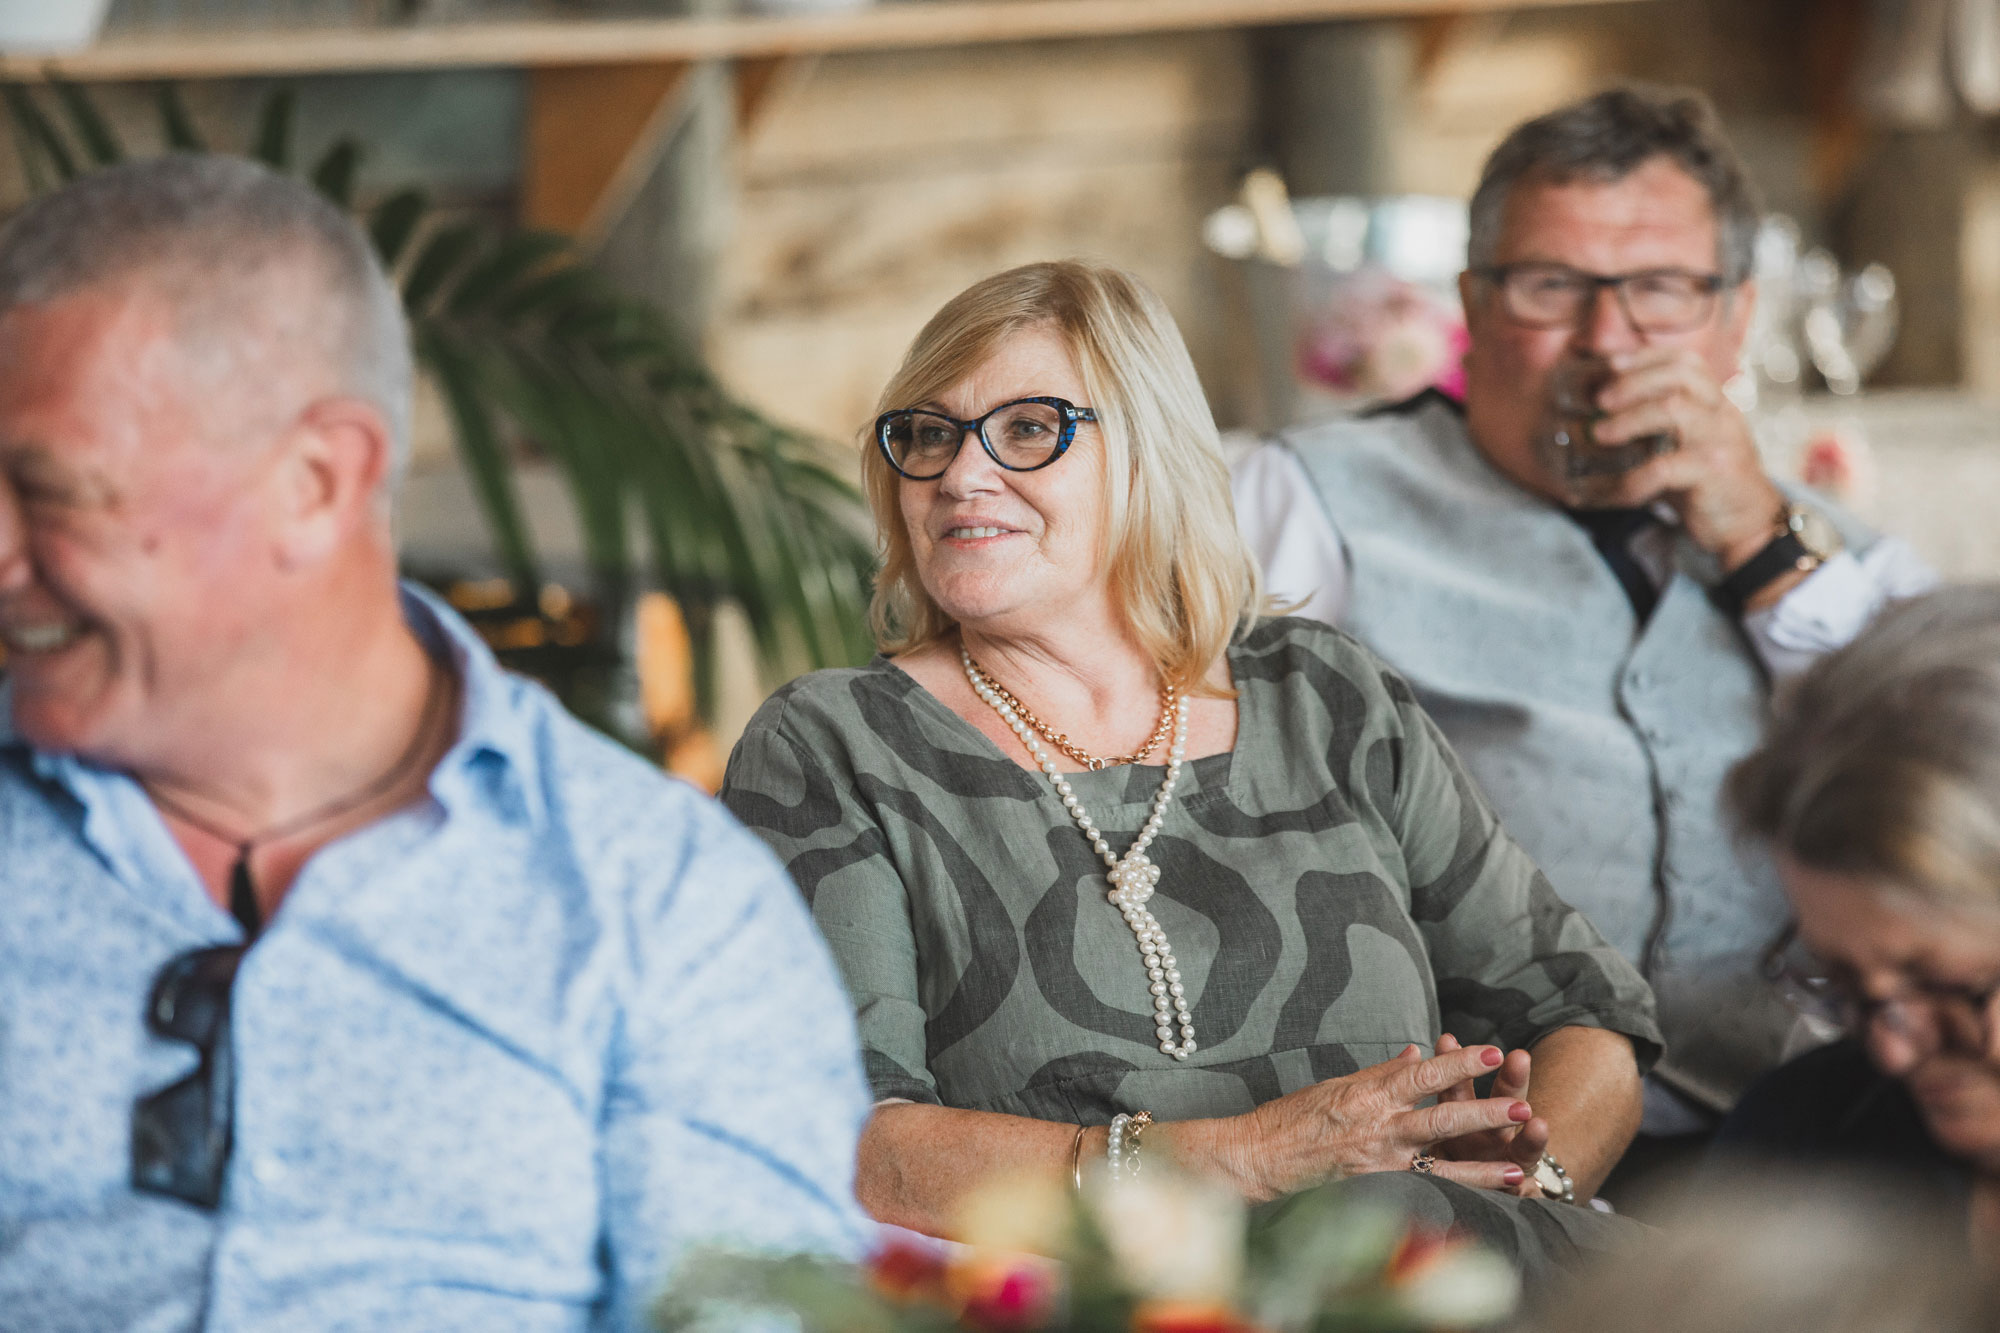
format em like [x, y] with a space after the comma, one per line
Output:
[1782, 554]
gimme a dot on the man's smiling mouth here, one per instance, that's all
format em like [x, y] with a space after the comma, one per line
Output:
[46, 638]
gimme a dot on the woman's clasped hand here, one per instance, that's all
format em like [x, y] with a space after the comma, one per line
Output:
[1385, 1117]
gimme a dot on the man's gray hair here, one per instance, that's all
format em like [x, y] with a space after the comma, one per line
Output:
[205, 228]
[1605, 138]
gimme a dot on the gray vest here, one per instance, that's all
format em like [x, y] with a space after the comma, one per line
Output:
[1603, 748]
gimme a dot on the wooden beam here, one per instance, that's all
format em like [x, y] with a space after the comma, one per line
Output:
[593, 134]
[536, 43]
[756, 79]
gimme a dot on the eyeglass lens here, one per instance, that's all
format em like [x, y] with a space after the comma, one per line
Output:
[1021, 436]
[1659, 301]
[181, 1133]
[1927, 1014]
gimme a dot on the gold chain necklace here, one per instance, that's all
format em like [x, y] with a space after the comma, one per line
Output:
[1169, 696]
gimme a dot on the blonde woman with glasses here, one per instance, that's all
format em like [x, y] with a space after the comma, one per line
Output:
[1878, 787]
[1116, 869]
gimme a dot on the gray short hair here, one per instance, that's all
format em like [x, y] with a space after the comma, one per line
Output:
[205, 227]
[1607, 137]
[1883, 760]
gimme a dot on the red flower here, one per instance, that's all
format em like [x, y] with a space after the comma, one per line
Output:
[906, 1272]
[1419, 1249]
[1004, 1293]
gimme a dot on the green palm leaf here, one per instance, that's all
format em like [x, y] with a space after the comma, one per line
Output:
[91, 129]
[44, 144]
[273, 145]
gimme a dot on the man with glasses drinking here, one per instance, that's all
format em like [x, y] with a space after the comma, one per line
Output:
[1584, 570]
[345, 981]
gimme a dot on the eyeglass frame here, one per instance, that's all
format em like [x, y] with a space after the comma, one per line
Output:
[1713, 285]
[1867, 1009]
[1072, 416]
[167, 1159]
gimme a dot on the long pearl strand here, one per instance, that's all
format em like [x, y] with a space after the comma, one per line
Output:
[1133, 875]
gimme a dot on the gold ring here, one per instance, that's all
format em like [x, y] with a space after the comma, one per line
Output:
[1423, 1163]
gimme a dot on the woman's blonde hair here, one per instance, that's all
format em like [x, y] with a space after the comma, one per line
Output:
[1883, 761]
[1179, 570]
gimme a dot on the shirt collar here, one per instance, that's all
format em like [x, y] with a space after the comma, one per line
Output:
[496, 733]
[496, 746]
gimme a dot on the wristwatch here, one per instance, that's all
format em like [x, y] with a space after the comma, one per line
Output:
[1804, 541]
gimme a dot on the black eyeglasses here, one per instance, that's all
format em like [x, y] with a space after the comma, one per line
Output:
[181, 1134]
[1929, 1014]
[1020, 436]
[1656, 300]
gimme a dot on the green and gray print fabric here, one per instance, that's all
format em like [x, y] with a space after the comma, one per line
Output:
[1334, 886]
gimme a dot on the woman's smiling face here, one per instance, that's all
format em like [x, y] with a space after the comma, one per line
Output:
[1012, 553]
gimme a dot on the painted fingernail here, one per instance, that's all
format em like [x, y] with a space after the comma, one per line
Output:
[1512, 1175]
[1521, 1111]
[1490, 1057]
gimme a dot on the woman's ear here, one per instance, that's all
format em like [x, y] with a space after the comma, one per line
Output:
[334, 464]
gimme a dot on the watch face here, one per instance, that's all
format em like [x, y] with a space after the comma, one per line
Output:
[1815, 532]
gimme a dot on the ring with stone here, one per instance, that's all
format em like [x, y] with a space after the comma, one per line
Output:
[1423, 1164]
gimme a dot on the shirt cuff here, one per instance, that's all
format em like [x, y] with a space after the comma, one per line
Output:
[1834, 603]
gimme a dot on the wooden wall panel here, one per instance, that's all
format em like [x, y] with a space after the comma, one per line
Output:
[875, 187]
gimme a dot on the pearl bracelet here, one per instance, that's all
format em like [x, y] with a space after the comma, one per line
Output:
[1121, 1149]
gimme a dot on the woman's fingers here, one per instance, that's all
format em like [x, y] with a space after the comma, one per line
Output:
[1512, 1078]
[1528, 1146]
[1410, 1083]
[1458, 1092]
[1450, 1120]
[1506, 1176]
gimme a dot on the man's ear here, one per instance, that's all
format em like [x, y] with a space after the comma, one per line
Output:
[1739, 308]
[334, 463]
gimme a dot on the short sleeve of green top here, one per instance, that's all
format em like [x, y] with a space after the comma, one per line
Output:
[1335, 888]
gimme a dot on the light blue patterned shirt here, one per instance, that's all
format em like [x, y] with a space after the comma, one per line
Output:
[501, 1057]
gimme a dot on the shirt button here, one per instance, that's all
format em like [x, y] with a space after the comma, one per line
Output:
[268, 1168]
[1640, 680]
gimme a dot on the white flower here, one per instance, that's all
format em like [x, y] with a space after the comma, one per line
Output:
[1465, 1286]
[1020, 1214]
[1174, 1237]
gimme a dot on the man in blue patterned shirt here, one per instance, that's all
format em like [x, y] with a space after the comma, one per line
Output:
[345, 981]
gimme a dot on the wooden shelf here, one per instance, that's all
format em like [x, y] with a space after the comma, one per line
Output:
[547, 43]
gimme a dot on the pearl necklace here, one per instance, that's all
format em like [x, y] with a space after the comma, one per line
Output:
[1133, 875]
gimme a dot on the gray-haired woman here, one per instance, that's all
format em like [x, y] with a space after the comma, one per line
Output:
[1878, 786]
[1306, 894]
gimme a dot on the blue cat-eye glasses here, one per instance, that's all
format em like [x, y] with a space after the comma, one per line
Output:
[1021, 435]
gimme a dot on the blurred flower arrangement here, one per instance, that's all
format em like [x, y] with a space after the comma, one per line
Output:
[1154, 1253]
[1383, 337]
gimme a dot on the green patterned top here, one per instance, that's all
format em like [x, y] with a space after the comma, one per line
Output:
[1335, 888]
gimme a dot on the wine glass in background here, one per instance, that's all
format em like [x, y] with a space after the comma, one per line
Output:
[1849, 321]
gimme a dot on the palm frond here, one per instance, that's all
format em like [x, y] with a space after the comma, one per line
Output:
[45, 145]
[273, 144]
[176, 126]
[90, 127]
[333, 174]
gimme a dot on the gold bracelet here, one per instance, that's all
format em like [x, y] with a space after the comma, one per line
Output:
[1076, 1160]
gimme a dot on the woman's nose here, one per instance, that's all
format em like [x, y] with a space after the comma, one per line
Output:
[1894, 1045]
[971, 471]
